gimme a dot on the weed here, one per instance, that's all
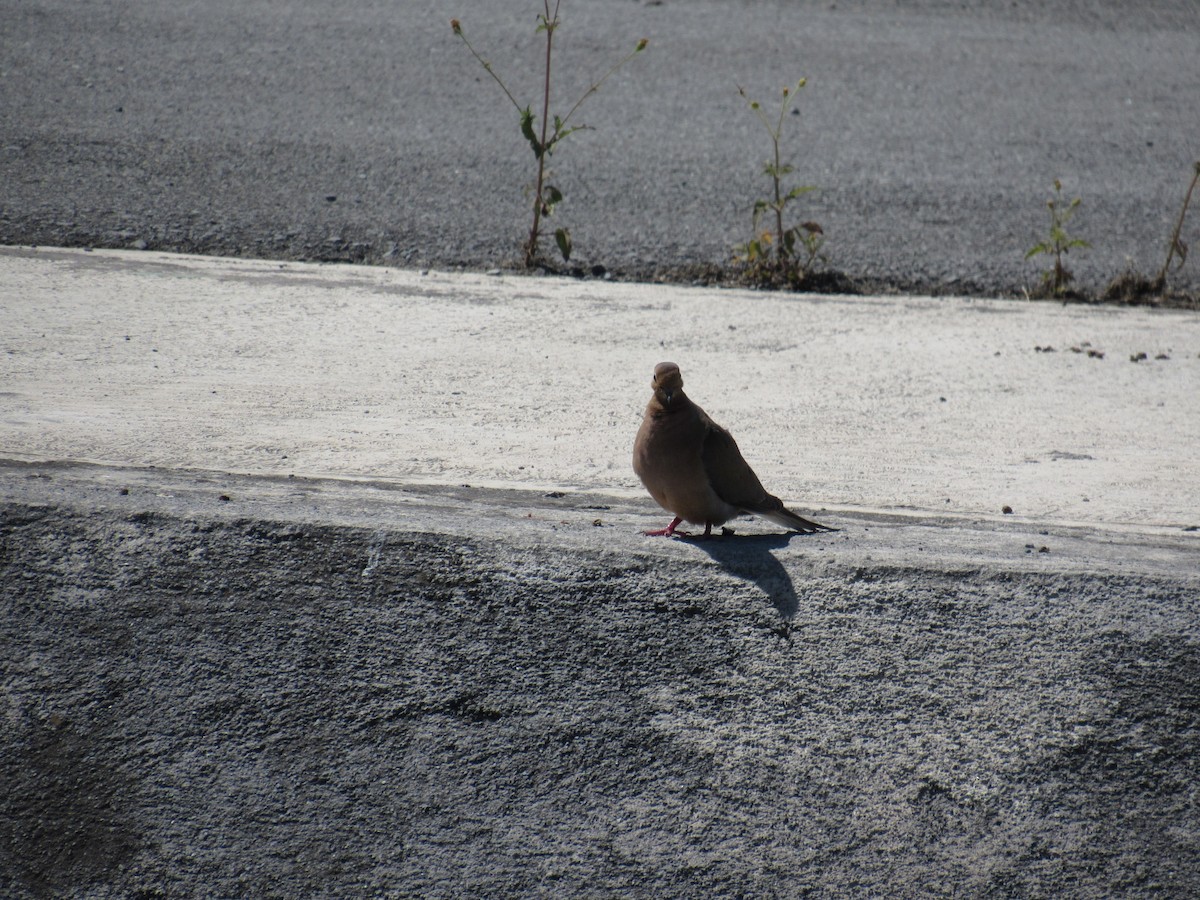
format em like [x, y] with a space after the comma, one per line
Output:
[542, 137]
[796, 249]
[1177, 247]
[1055, 281]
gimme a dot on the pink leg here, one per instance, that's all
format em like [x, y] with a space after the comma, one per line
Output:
[669, 531]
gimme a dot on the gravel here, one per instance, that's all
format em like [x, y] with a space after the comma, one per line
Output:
[933, 130]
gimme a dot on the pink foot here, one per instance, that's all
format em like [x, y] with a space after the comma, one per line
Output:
[669, 531]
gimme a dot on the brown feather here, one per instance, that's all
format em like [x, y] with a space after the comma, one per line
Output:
[693, 467]
[728, 472]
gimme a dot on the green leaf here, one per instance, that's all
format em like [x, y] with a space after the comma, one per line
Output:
[751, 250]
[798, 191]
[562, 237]
[559, 135]
[527, 120]
[551, 196]
[760, 207]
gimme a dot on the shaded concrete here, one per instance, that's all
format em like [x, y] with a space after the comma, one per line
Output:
[318, 687]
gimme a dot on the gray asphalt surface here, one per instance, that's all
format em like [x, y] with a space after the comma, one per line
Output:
[366, 132]
[230, 686]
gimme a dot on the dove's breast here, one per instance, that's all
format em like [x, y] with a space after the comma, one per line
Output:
[667, 458]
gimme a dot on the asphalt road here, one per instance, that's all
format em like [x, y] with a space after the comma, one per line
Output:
[323, 130]
[230, 686]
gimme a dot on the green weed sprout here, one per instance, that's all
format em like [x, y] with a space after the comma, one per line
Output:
[1177, 247]
[542, 137]
[796, 249]
[1058, 243]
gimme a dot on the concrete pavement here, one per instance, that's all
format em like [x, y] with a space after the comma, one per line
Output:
[942, 406]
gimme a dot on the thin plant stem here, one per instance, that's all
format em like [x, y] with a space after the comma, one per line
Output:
[551, 23]
[1161, 281]
[488, 68]
[596, 86]
[780, 249]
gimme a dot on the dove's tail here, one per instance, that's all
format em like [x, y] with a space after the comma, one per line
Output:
[789, 519]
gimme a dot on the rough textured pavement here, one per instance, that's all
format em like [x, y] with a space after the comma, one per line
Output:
[287, 617]
[934, 130]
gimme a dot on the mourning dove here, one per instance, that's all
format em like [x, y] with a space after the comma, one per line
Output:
[693, 468]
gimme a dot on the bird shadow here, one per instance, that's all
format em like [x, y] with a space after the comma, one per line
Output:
[749, 557]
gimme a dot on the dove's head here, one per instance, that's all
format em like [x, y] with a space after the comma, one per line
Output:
[667, 383]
